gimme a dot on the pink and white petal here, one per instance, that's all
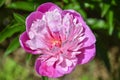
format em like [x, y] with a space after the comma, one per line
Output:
[86, 55]
[37, 65]
[53, 19]
[23, 38]
[31, 18]
[72, 67]
[90, 38]
[88, 33]
[65, 66]
[48, 7]
[51, 61]
[36, 44]
[43, 69]
[66, 22]
[62, 70]
[77, 17]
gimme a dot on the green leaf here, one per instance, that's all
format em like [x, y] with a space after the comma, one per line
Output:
[119, 34]
[28, 58]
[97, 23]
[110, 22]
[19, 18]
[105, 9]
[88, 5]
[22, 5]
[44, 78]
[10, 30]
[2, 2]
[12, 46]
[65, 1]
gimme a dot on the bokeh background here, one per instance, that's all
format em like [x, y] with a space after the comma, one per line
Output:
[102, 16]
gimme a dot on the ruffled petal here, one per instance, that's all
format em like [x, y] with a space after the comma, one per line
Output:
[66, 66]
[47, 7]
[42, 68]
[53, 19]
[90, 38]
[86, 55]
[23, 38]
[31, 18]
[75, 15]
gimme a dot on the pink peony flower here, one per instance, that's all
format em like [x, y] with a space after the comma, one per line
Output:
[60, 37]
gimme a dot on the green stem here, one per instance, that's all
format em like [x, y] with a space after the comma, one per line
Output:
[44, 78]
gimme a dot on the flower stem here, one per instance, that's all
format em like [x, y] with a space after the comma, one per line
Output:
[44, 78]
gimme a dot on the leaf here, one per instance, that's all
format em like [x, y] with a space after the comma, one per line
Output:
[97, 23]
[28, 58]
[10, 30]
[2, 2]
[44, 78]
[65, 1]
[119, 34]
[12, 46]
[88, 5]
[19, 18]
[105, 9]
[110, 22]
[22, 5]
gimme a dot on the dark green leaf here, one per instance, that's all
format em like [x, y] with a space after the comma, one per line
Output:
[12, 46]
[2, 2]
[28, 58]
[19, 18]
[119, 35]
[10, 30]
[110, 22]
[88, 5]
[44, 78]
[105, 9]
[97, 23]
[28, 6]
[65, 1]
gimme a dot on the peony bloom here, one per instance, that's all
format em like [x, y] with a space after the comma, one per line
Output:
[61, 38]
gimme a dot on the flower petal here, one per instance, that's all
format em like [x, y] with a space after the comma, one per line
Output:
[47, 7]
[88, 33]
[66, 66]
[23, 38]
[75, 14]
[53, 19]
[43, 69]
[86, 55]
[31, 18]
[90, 37]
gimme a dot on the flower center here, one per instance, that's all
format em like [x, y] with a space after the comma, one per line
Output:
[56, 42]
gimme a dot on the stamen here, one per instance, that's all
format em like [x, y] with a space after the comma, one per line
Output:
[56, 43]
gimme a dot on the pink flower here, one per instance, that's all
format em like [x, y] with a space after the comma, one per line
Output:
[61, 37]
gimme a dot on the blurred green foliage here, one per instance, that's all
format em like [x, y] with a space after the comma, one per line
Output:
[101, 15]
[13, 71]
